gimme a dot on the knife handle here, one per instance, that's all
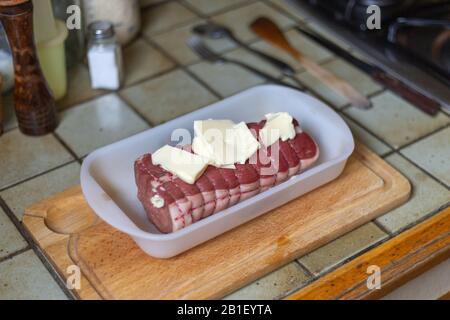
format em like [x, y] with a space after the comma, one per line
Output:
[416, 98]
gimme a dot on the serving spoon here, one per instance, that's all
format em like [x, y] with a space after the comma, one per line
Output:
[269, 31]
[216, 31]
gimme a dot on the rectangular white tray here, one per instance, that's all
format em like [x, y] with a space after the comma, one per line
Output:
[107, 175]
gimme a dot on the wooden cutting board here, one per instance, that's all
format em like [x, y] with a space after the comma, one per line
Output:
[113, 267]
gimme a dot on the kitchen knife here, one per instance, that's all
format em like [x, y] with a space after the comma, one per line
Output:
[416, 98]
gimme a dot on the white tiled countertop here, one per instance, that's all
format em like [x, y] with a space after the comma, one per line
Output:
[164, 80]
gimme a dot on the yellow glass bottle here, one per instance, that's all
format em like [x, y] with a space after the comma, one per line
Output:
[50, 35]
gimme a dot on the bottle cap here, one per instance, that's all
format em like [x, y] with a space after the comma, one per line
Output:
[101, 29]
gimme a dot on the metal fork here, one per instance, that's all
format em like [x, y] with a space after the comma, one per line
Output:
[199, 47]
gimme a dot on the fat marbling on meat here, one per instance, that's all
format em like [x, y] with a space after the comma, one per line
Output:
[182, 204]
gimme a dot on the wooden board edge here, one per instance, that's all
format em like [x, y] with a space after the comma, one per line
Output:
[445, 297]
[40, 209]
[400, 259]
[60, 260]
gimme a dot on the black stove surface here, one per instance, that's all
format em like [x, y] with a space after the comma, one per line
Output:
[430, 43]
[354, 12]
[417, 53]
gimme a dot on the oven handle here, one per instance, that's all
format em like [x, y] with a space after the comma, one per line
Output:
[414, 22]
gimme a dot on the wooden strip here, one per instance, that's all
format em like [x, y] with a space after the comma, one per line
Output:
[9, 3]
[445, 297]
[400, 259]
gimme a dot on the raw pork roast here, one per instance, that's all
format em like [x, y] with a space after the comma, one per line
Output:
[218, 189]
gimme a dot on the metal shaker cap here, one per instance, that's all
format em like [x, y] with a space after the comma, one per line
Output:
[101, 29]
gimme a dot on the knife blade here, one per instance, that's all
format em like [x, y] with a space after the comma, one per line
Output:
[413, 96]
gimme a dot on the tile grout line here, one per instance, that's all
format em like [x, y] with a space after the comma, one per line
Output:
[381, 227]
[134, 109]
[38, 175]
[220, 11]
[17, 223]
[420, 220]
[300, 21]
[308, 272]
[184, 68]
[105, 93]
[15, 254]
[423, 170]
[325, 61]
[382, 139]
[355, 256]
[54, 274]
[196, 11]
[388, 154]
[297, 288]
[312, 278]
[153, 77]
[425, 136]
[66, 146]
[168, 29]
[375, 94]
[158, 3]
[31, 245]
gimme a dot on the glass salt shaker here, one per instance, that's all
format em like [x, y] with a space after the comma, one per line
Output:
[104, 56]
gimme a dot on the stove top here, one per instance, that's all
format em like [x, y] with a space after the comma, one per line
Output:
[412, 45]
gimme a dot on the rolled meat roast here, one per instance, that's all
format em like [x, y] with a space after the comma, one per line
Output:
[182, 204]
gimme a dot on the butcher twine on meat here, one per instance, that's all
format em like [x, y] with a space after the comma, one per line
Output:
[218, 189]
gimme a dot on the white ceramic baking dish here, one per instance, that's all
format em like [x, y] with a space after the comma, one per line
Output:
[107, 176]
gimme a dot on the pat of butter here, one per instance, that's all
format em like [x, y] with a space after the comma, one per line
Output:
[187, 166]
[209, 141]
[223, 142]
[209, 129]
[245, 143]
[278, 126]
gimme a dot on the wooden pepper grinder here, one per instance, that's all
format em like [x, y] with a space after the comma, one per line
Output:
[34, 103]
